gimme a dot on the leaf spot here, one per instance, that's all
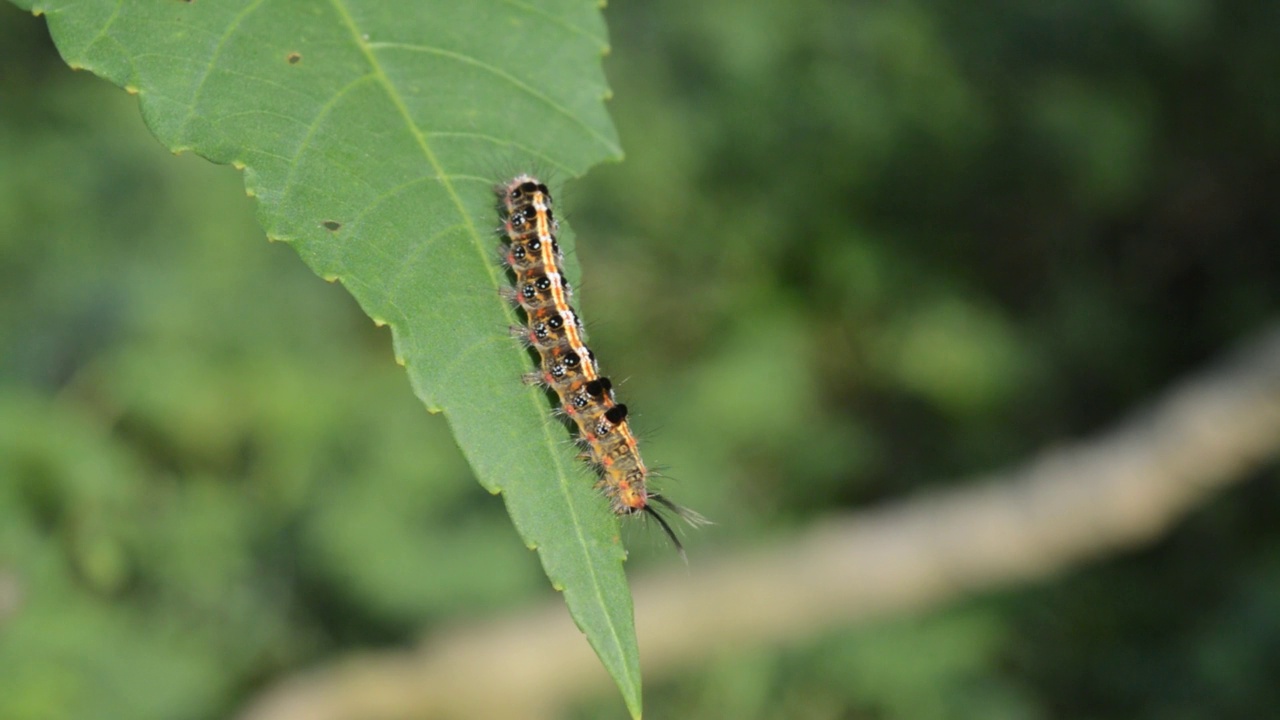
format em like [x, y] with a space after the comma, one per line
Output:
[332, 225]
[294, 58]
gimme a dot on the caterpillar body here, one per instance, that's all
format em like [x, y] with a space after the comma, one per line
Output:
[567, 365]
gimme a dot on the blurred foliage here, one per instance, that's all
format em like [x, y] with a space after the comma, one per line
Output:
[856, 249]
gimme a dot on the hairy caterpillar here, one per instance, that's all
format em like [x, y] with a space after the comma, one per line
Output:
[568, 367]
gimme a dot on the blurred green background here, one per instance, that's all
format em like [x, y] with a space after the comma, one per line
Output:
[856, 250]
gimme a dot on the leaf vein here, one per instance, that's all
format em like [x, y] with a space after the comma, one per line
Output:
[509, 78]
[542, 157]
[115, 13]
[601, 44]
[314, 125]
[213, 60]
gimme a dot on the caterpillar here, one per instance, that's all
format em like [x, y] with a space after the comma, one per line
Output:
[567, 366]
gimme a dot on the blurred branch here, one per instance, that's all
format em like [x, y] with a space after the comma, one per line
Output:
[1065, 507]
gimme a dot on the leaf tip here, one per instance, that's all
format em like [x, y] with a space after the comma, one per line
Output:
[399, 358]
[331, 278]
[132, 89]
[380, 322]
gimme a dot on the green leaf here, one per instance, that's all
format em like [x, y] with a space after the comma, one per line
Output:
[371, 134]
